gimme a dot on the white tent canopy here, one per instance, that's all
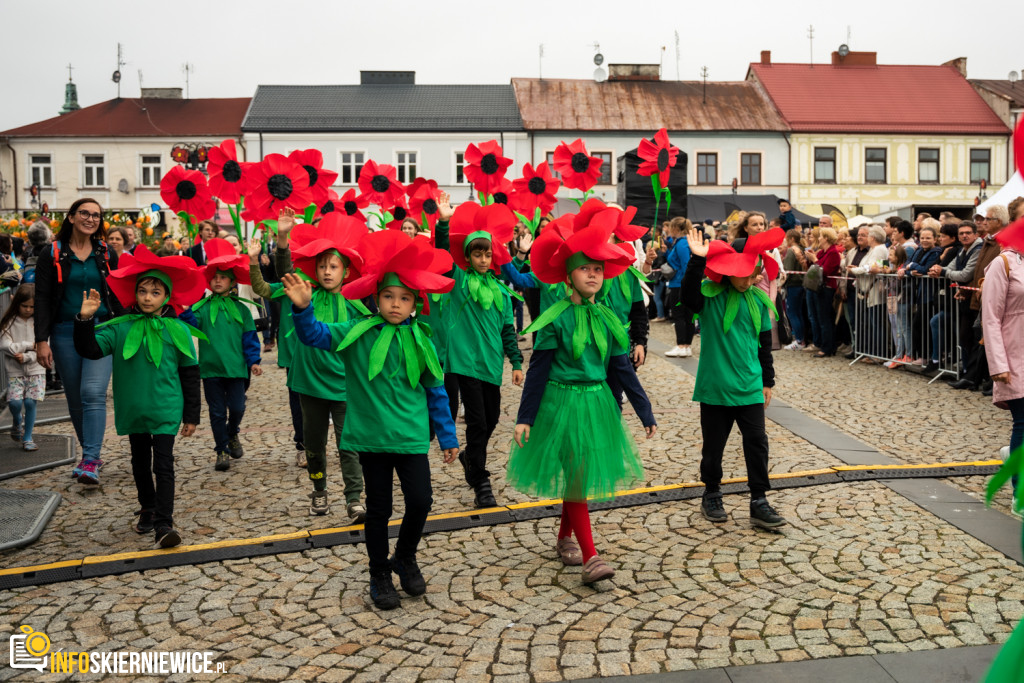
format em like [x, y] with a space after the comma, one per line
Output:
[1006, 194]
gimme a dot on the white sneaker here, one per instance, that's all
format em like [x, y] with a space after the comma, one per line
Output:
[688, 352]
[793, 346]
[1004, 453]
[675, 352]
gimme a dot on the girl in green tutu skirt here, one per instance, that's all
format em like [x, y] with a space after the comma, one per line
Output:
[570, 439]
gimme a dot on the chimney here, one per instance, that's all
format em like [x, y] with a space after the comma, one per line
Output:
[855, 59]
[634, 72]
[766, 57]
[387, 78]
[161, 93]
[960, 64]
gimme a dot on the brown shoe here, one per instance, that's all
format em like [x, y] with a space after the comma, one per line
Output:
[595, 570]
[569, 551]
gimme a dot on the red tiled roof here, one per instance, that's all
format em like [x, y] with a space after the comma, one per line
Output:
[130, 117]
[877, 99]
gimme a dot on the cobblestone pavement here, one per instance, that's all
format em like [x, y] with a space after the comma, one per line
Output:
[860, 571]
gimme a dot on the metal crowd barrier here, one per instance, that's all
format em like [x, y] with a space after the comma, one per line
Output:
[5, 300]
[906, 319]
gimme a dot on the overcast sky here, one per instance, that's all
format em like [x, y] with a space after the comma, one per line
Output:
[235, 46]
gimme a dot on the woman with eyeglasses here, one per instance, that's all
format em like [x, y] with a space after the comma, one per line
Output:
[77, 261]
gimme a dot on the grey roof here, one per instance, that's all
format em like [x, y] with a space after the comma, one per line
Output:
[344, 108]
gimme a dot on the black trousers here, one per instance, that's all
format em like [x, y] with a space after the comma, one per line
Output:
[682, 317]
[295, 406]
[153, 456]
[378, 477]
[273, 307]
[483, 405]
[715, 424]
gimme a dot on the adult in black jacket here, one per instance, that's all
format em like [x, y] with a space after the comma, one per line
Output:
[77, 261]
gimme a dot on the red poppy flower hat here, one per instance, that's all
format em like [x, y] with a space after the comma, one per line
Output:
[221, 256]
[494, 222]
[724, 261]
[596, 212]
[179, 273]
[335, 232]
[392, 258]
[561, 248]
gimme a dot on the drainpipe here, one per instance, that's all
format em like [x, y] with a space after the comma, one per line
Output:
[241, 143]
[789, 170]
[261, 145]
[14, 165]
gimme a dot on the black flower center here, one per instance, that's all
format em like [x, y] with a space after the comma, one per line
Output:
[537, 185]
[500, 198]
[430, 207]
[328, 207]
[185, 190]
[662, 159]
[313, 174]
[400, 213]
[351, 208]
[232, 171]
[489, 164]
[280, 186]
[580, 162]
[380, 183]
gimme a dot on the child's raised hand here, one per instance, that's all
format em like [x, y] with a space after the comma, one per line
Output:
[188, 430]
[651, 431]
[90, 304]
[255, 248]
[444, 207]
[285, 223]
[517, 377]
[522, 435]
[256, 370]
[695, 239]
[298, 290]
[450, 454]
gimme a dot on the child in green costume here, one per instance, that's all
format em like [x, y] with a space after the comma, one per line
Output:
[152, 353]
[327, 259]
[735, 375]
[233, 349]
[395, 391]
[570, 438]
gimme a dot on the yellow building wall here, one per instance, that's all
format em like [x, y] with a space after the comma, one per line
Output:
[902, 188]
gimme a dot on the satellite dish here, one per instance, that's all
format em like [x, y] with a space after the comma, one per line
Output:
[844, 50]
[600, 75]
[122, 186]
[1013, 77]
[116, 77]
[599, 59]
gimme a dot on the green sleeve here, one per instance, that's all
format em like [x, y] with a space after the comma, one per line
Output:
[106, 339]
[637, 294]
[546, 338]
[441, 235]
[248, 324]
[259, 285]
[339, 330]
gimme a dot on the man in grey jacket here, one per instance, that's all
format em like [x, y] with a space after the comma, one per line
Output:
[961, 271]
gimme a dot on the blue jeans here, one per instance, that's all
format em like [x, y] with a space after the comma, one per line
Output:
[795, 311]
[659, 297]
[826, 321]
[517, 314]
[811, 297]
[85, 386]
[937, 323]
[225, 398]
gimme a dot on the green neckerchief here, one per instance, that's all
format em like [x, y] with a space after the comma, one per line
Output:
[147, 329]
[223, 302]
[711, 289]
[624, 283]
[485, 289]
[593, 322]
[1014, 465]
[327, 307]
[413, 341]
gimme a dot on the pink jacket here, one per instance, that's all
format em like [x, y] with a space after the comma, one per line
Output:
[1002, 320]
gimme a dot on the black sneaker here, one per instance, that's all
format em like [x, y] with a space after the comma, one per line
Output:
[318, 505]
[223, 461]
[144, 523]
[484, 495]
[167, 537]
[382, 591]
[763, 515]
[409, 575]
[235, 447]
[712, 508]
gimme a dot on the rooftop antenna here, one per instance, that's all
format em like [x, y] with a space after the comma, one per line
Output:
[810, 37]
[661, 65]
[600, 75]
[188, 69]
[704, 75]
[677, 54]
[847, 34]
[540, 62]
[140, 81]
[116, 76]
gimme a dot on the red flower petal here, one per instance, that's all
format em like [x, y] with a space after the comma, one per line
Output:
[578, 169]
[486, 166]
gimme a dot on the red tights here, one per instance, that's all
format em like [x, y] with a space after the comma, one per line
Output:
[576, 519]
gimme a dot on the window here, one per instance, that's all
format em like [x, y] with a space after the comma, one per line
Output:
[406, 164]
[874, 165]
[750, 168]
[351, 165]
[824, 164]
[980, 165]
[151, 170]
[606, 167]
[550, 158]
[460, 168]
[41, 169]
[928, 165]
[94, 171]
[707, 168]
